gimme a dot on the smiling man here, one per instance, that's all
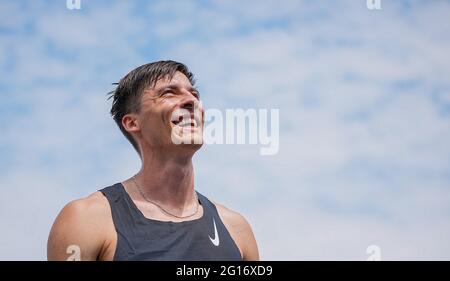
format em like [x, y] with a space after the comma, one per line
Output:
[156, 214]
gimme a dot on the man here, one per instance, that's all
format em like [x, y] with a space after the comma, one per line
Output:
[156, 214]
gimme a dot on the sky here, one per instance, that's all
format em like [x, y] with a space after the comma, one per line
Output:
[363, 98]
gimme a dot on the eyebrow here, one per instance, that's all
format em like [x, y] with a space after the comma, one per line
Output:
[177, 88]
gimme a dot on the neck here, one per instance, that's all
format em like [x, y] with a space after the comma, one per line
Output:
[168, 180]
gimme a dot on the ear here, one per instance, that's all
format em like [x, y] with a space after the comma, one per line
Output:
[131, 122]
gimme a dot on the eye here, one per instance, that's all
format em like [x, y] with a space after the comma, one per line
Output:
[168, 92]
[196, 95]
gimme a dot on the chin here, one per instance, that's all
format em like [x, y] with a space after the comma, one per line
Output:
[186, 150]
[187, 137]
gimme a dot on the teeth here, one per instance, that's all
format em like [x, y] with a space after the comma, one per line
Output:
[186, 120]
[187, 123]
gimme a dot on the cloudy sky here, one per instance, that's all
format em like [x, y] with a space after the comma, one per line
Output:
[363, 96]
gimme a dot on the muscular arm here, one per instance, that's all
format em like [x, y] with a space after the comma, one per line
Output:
[86, 225]
[241, 232]
[79, 230]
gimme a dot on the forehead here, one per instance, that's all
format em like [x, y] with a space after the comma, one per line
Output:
[178, 79]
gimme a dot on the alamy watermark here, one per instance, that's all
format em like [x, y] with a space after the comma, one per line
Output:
[373, 4]
[232, 126]
[374, 252]
[74, 252]
[73, 4]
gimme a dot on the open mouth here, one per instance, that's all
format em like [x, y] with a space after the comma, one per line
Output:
[185, 122]
[186, 127]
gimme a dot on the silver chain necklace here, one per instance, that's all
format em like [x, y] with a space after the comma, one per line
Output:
[161, 208]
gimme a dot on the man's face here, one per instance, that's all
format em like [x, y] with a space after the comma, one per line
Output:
[171, 115]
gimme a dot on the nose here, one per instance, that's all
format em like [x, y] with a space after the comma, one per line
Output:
[195, 108]
[190, 103]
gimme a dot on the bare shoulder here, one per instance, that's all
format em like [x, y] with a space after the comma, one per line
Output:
[232, 217]
[81, 225]
[94, 203]
[240, 230]
[85, 211]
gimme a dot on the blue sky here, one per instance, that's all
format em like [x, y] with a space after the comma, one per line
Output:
[364, 100]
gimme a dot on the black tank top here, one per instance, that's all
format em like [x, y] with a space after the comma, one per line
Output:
[140, 238]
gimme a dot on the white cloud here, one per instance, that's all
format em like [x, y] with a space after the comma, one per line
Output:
[362, 95]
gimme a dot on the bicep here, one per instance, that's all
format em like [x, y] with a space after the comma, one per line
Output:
[74, 235]
[250, 251]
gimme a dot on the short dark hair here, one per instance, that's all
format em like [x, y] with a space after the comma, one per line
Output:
[127, 95]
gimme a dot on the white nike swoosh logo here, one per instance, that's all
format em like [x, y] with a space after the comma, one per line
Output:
[216, 240]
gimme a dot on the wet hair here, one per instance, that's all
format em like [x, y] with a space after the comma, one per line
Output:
[127, 95]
